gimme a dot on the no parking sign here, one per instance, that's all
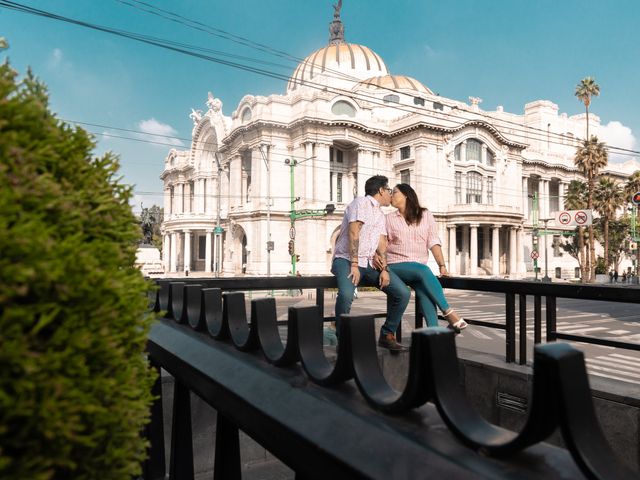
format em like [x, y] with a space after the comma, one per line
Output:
[574, 218]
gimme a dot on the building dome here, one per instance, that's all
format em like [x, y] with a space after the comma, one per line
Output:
[394, 82]
[344, 61]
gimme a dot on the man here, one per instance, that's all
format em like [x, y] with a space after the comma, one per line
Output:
[362, 234]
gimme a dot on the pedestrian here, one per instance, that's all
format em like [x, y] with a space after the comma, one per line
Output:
[362, 235]
[615, 277]
[412, 233]
[624, 277]
[610, 276]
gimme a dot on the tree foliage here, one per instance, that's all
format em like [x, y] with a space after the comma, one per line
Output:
[74, 381]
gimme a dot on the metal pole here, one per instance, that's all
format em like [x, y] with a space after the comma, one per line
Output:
[292, 165]
[267, 162]
[218, 237]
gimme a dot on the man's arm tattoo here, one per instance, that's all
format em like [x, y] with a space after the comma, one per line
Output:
[354, 247]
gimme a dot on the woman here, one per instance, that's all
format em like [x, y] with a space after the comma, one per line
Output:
[411, 233]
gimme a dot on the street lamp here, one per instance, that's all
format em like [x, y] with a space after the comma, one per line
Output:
[546, 277]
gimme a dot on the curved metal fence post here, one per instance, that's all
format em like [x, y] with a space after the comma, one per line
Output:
[522, 303]
[537, 319]
[510, 327]
[551, 319]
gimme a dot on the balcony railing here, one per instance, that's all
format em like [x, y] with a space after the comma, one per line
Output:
[277, 393]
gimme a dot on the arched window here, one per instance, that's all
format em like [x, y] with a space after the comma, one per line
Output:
[246, 115]
[474, 151]
[457, 151]
[491, 159]
[474, 187]
[391, 99]
[343, 108]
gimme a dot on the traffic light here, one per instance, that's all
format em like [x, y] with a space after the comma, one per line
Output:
[291, 247]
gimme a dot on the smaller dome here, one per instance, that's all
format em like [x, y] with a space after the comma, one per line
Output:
[394, 82]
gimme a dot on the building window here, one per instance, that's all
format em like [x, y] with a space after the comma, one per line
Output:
[331, 186]
[246, 173]
[405, 152]
[558, 272]
[490, 190]
[418, 101]
[554, 196]
[204, 195]
[391, 99]
[474, 187]
[343, 108]
[491, 159]
[246, 115]
[438, 106]
[336, 155]
[474, 151]
[202, 247]
[339, 188]
[457, 151]
[405, 176]
[557, 251]
[458, 188]
[191, 195]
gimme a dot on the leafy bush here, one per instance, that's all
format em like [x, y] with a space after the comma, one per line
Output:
[74, 382]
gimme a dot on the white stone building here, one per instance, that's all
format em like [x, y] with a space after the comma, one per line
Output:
[343, 118]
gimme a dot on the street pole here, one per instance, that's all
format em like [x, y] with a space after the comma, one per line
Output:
[292, 166]
[267, 161]
[218, 231]
[546, 277]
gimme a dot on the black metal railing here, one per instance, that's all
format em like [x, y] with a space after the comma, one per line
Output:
[212, 349]
[522, 290]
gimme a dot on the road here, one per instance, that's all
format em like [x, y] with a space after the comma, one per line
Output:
[609, 320]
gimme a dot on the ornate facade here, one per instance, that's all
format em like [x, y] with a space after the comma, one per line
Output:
[343, 118]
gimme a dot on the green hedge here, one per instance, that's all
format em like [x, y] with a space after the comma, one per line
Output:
[74, 381]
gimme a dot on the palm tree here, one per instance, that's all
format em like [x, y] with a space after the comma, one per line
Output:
[608, 198]
[586, 89]
[590, 157]
[632, 186]
[576, 199]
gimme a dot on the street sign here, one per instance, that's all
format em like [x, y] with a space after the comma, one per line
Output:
[636, 198]
[270, 246]
[292, 233]
[564, 218]
[535, 255]
[573, 218]
[581, 218]
[218, 230]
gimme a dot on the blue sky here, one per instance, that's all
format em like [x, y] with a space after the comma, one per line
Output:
[507, 52]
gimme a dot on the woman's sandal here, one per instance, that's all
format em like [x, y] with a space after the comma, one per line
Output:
[459, 325]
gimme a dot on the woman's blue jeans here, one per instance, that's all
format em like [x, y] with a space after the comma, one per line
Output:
[427, 287]
[397, 292]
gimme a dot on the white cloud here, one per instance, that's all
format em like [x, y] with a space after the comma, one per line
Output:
[159, 132]
[56, 58]
[615, 134]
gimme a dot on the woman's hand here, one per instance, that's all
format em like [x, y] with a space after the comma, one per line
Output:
[443, 271]
[385, 279]
[378, 263]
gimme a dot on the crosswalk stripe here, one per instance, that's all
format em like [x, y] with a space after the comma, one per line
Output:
[627, 357]
[478, 334]
[613, 377]
[574, 331]
[611, 363]
[618, 332]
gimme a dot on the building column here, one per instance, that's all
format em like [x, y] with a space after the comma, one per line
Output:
[473, 249]
[309, 177]
[207, 252]
[166, 239]
[173, 266]
[485, 244]
[521, 267]
[512, 251]
[495, 250]
[452, 249]
[187, 251]
[525, 197]
[544, 210]
[322, 179]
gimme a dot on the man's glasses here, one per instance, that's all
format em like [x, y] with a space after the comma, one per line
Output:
[390, 190]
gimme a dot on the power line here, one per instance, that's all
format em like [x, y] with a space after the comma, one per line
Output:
[180, 48]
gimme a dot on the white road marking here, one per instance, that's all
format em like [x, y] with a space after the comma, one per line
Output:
[608, 362]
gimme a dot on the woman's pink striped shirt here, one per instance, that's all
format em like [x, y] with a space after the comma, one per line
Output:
[410, 243]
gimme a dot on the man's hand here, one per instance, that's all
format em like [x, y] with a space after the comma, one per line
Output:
[355, 274]
[385, 279]
[378, 261]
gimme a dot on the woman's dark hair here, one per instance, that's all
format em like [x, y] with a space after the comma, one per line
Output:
[412, 211]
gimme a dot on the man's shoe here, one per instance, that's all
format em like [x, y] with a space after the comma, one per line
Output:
[388, 340]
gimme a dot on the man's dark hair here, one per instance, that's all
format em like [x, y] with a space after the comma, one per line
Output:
[374, 184]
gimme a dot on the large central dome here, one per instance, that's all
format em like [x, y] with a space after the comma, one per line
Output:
[339, 61]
